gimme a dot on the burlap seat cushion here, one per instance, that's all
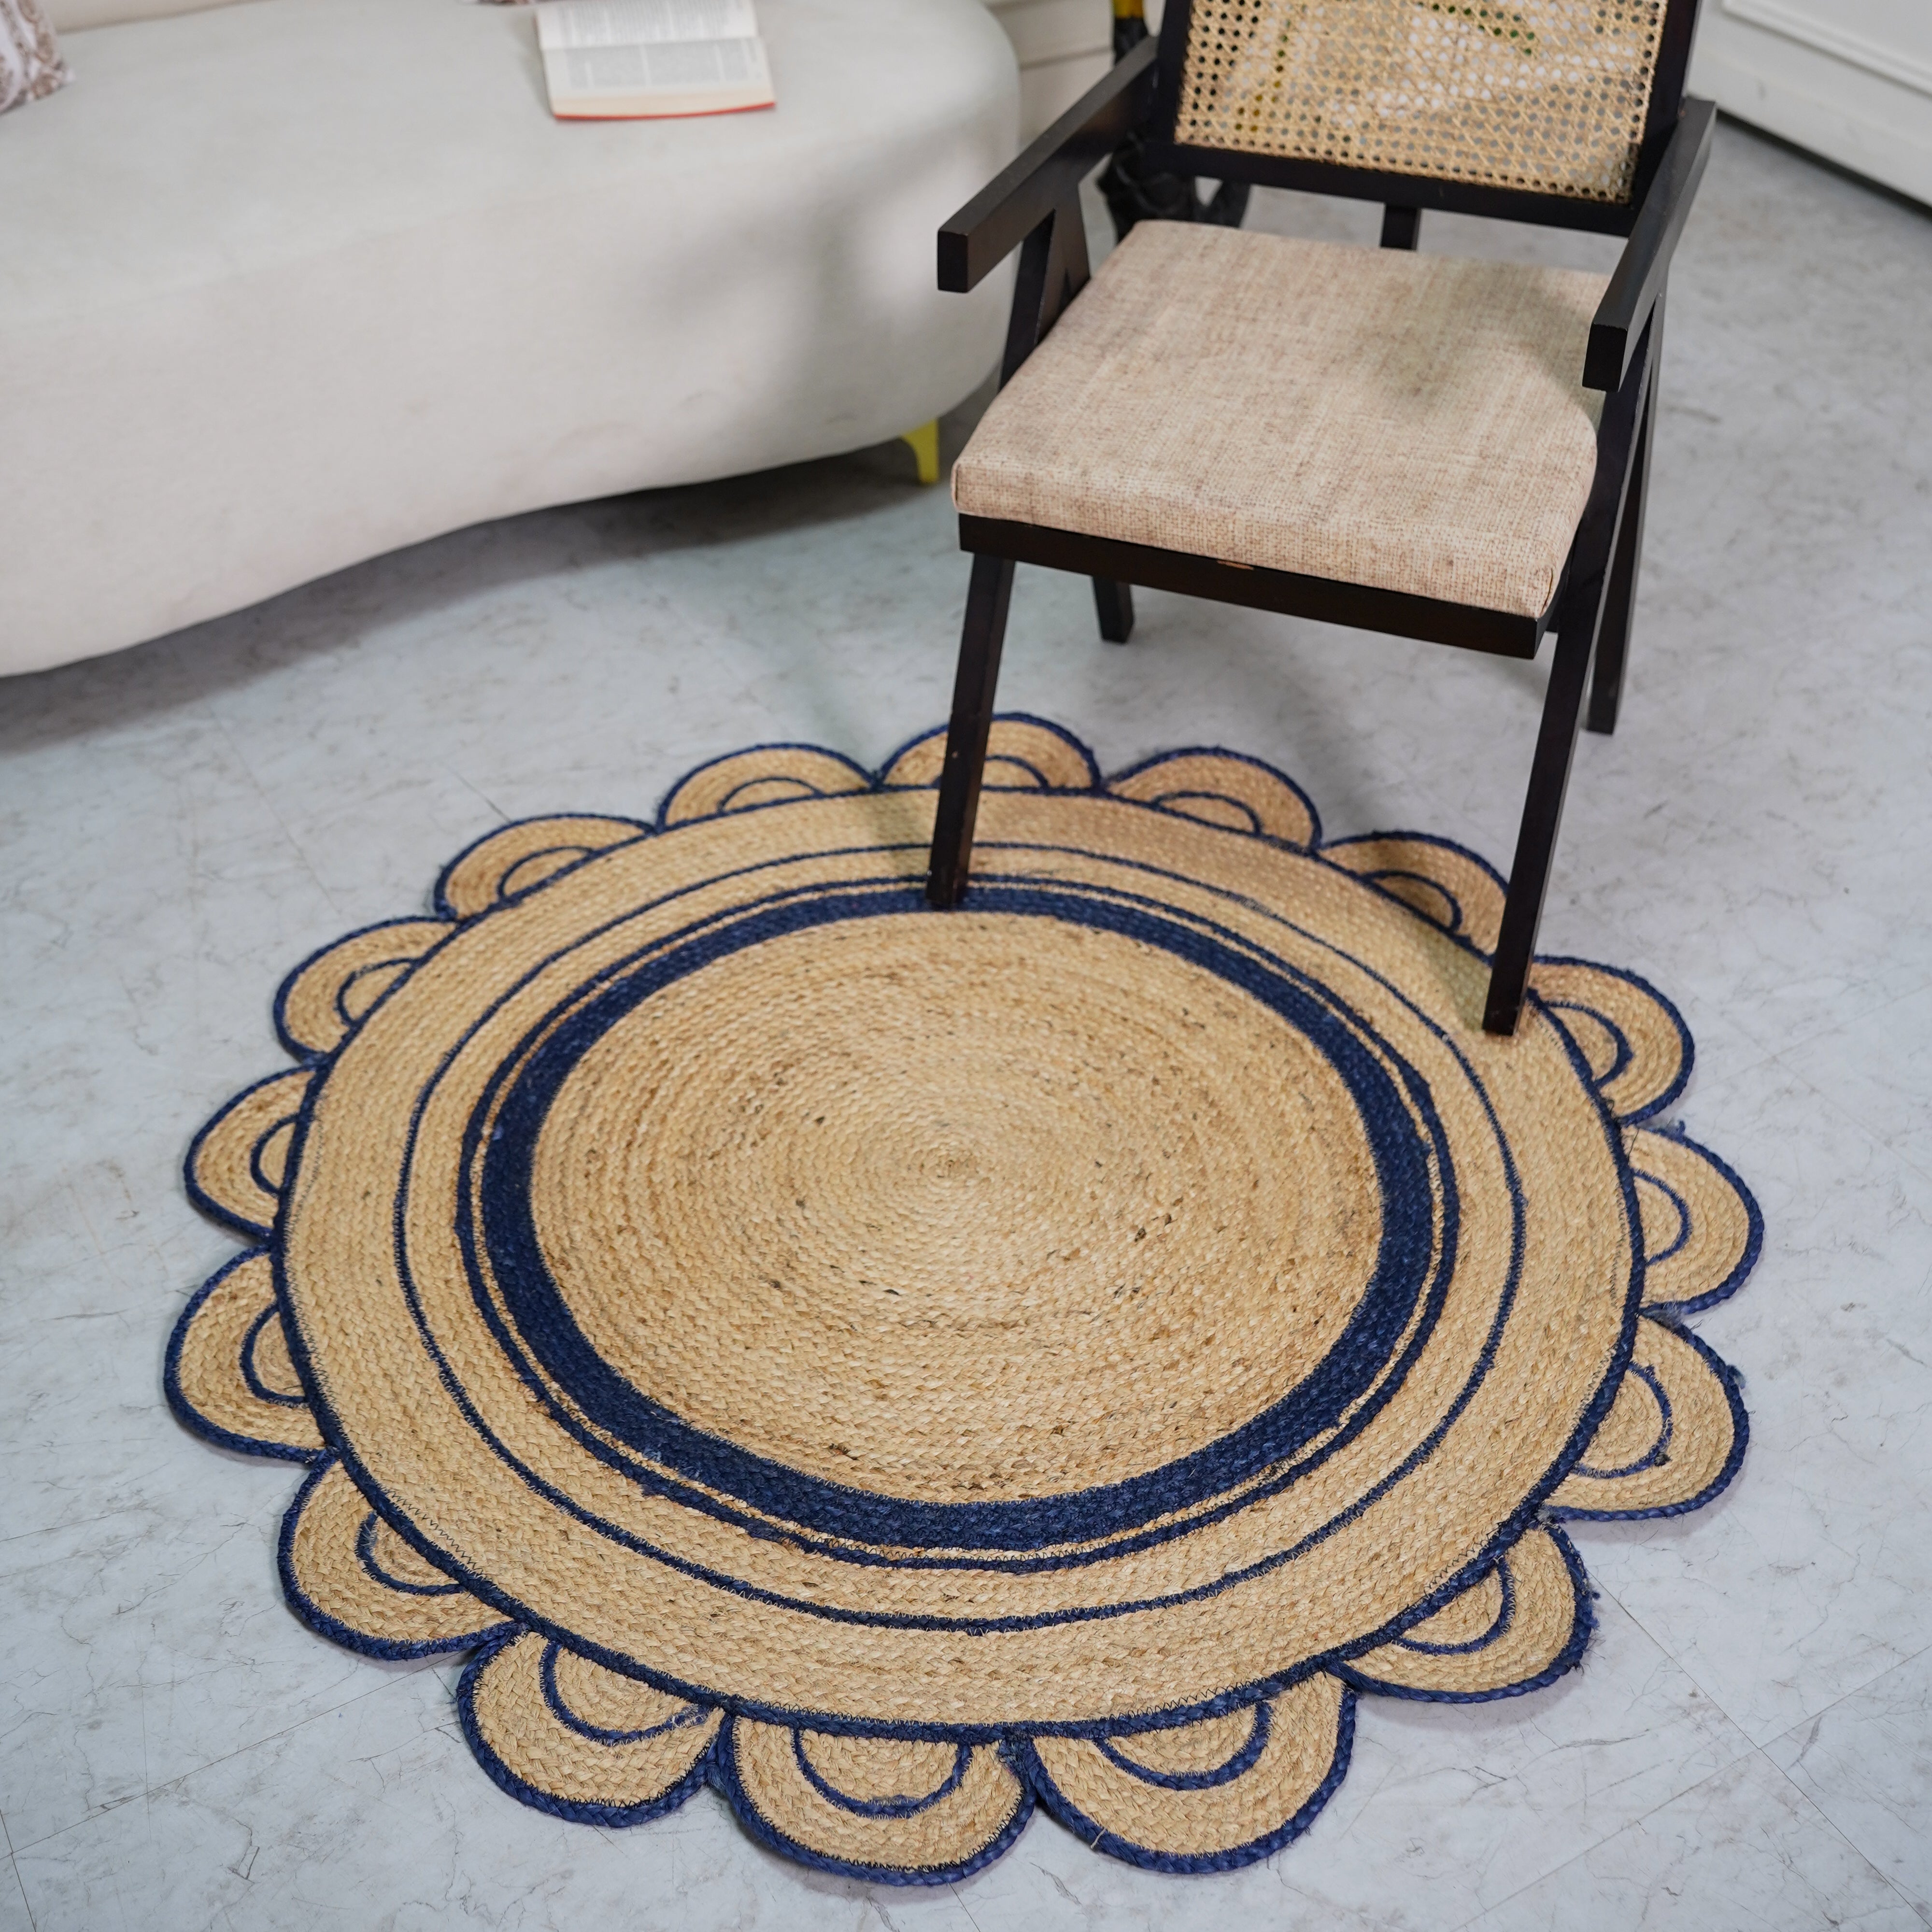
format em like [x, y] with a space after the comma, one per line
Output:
[1413, 422]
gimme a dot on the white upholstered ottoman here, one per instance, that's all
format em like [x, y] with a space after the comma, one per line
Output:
[289, 284]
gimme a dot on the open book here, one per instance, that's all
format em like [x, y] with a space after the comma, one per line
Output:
[636, 60]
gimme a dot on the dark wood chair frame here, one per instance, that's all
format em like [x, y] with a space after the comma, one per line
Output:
[1034, 206]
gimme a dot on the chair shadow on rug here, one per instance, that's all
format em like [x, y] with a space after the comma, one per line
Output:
[1450, 450]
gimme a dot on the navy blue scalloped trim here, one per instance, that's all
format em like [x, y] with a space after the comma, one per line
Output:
[1099, 1839]
[574, 1811]
[1619, 1040]
[1660, 1450]
[1676, 1199]
[257, 1387]
[311, 1056]
[1234, 757]
[1245, 1757]
[1753, 1239]
[227, 1217]
[1583, 1629]
[1212, 1707]
[257, 1173]
[1060, 731]
[869, 783]
[1499, 1629]
[191, 1418]
[1686, 1048]
[904, 1806]
[724, 1777]
[319, 1621]
[1457, 922]
[1375, 879]
[365, 1554]
[1740, 1441]
[439, 892]
[602, 1734]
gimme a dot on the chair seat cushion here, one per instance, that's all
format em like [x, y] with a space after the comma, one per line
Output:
[1412, 422]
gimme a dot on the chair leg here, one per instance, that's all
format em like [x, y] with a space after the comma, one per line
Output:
[1606, 685]
[1607, 537]
[978, 674]
[1114, 602]
[1402, 227]
[1542, 812]
[924, 443]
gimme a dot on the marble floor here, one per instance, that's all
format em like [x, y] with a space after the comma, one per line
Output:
[1749, 1741]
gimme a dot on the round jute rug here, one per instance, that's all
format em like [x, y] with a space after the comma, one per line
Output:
[900, 1366]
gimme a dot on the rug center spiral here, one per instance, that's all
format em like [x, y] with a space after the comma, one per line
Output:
[968, 1208]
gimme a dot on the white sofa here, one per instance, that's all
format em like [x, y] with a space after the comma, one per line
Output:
[290, 282]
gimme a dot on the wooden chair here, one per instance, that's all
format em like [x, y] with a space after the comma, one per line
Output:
[1443, 449]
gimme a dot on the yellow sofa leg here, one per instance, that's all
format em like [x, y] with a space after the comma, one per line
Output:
[924, 442]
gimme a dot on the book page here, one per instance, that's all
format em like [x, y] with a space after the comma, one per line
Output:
[563, 24]
[679, 67]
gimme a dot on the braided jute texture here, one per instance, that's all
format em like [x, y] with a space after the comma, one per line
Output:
[1548, 96]
[899, 1368]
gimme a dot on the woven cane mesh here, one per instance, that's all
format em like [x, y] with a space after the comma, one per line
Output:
[1549, 96]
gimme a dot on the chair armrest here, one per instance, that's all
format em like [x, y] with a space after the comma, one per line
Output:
[1640, 273]
[1021, 196]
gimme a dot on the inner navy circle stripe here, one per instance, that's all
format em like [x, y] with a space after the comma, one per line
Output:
[543, 1318]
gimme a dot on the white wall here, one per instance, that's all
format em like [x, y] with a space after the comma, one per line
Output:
[1850, 79]
[1064, 47]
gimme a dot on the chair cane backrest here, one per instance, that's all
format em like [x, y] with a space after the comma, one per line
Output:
[1540, 97]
